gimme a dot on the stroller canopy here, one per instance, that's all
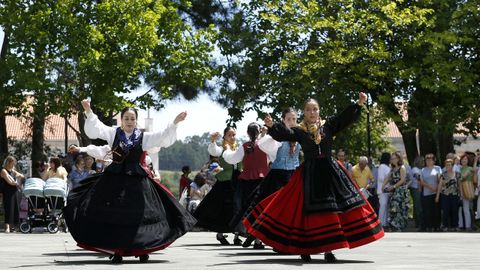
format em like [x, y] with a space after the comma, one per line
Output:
[34, 187]
[55, 187]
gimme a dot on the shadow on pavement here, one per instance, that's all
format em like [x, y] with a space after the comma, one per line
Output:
[292, 261]
[202, 245]
[75, 254]
[106, 261]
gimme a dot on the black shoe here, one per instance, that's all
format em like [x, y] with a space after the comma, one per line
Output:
[248, 241]
[237, 241]
[330, 258]
[279, 252]
[306, 258]
[258, 246]
[116, 259]
[223, 240]
[144, 258]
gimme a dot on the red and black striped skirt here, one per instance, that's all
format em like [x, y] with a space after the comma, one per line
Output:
[280, 222]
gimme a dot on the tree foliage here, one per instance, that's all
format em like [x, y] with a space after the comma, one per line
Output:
[61, 52]
[409, 56]
[190, 152]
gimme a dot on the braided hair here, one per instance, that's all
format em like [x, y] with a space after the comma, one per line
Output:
[253, 130]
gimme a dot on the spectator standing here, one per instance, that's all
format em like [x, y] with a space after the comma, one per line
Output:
[448, 195]
[467, 190]
[342, 157]
[395, 183]
[416, 191]
[362, 174]
[383, 197]
[429, 181]
[9, 176]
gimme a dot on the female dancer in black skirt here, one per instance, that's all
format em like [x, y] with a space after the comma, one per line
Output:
[216, 209]
[321, 208]
[123, 211]
[285, 157]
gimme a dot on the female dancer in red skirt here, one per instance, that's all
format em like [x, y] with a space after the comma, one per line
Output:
[123, 211]
[320, 209]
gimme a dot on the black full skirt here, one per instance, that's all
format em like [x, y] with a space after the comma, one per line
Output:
[328, 187]
[216, 210]
[124, 214]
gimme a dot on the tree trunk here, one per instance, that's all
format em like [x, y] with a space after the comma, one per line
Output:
[3, 136]
[38, 139]
[427, 142]
[106, 118]
[83, 138]
[445, 140]
[3, 80]
[410, 142]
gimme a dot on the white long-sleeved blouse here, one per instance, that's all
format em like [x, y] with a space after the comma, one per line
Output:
[234, 157]
[151, 142]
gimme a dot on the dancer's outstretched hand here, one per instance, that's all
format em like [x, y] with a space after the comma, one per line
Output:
[180, 117]
[362, 97]
[268, 121]
[264, 130]
[86, 105]
[214, 136]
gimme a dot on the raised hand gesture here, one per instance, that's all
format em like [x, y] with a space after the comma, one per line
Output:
[180, 117]
[86, 105]
[214, 136]
[362, 97]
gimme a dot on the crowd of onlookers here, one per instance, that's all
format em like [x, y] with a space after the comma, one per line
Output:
[441, 195]
[436, 198]
[424, 196]
[72, 168]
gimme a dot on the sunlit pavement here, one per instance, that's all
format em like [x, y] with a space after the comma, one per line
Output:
[200, 250]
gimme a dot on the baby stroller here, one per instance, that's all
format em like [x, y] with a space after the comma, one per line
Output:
[55, 192]
[45, 204]
[33, 191]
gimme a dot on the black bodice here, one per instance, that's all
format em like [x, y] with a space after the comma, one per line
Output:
[331, 127]
[126, 160]
[327, 186]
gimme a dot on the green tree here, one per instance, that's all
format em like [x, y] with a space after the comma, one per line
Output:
[190, 152]
[27, 68]
[64, 51]
[398, 51]
[354, 139]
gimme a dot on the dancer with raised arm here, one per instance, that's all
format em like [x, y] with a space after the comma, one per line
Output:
[321, 208]
[123, 211]
[255, 168]
[285, 160]
[216, 209]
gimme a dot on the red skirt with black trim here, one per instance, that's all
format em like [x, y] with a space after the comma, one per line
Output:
[280, 222]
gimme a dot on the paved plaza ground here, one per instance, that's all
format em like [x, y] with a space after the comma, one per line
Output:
[199, 250]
